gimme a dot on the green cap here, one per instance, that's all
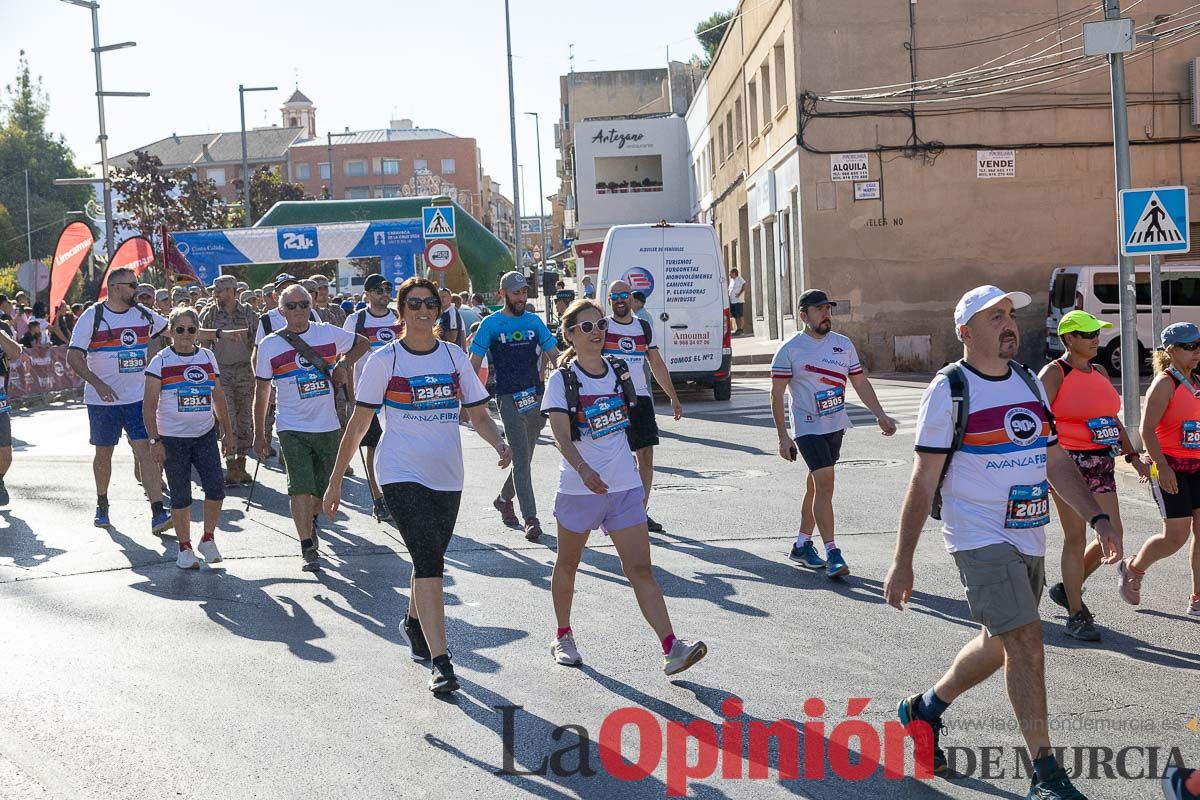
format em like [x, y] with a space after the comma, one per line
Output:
[1080, 322]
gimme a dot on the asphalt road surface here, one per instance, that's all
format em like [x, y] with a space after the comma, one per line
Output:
[123, 677]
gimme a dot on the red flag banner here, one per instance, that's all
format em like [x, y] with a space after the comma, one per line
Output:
[73, 246]
[134, 253]
[177, 264]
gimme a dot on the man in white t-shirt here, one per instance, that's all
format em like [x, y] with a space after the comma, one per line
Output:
[451, 321]
[379, 325]
[994, 503]
[109, 350]
[813, 367]
[737, 307]
[301, 361]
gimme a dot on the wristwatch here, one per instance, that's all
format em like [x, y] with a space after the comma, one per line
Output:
[153, 441]
[1092, 522]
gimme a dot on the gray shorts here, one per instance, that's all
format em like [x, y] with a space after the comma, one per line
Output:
[1004, 586]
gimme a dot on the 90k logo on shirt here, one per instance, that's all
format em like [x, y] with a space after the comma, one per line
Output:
[195, 375]
[1022, 426]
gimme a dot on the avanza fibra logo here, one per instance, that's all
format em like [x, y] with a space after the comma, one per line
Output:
[297, 243]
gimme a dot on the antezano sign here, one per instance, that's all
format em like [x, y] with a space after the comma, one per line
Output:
[439, 254]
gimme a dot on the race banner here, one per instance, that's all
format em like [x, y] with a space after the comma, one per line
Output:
[73, 245]
[134, 253]
[41, 369]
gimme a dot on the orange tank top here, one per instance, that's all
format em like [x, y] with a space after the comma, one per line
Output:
[1085, 410]
[1178, 431]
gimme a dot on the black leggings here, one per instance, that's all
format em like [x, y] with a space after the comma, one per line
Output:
[426, 520]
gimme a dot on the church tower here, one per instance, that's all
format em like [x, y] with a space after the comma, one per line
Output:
[299, 112]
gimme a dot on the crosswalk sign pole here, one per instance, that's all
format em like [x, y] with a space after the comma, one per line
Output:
[1156, 309]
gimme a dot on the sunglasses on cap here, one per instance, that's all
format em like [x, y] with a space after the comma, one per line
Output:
[618, 296]
[296, 304]
[188, 329]
[415, 303]
[587, 326]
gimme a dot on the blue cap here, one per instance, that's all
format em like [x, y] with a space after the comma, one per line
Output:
[1180, 333]
[360, 306]
[347, 306]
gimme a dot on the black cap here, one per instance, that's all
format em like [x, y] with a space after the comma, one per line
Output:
[639, 295]
[284, 279]
[566, 295]
[373, 282]
[814, 297]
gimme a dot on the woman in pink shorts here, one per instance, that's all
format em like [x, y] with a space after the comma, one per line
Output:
[598, 485]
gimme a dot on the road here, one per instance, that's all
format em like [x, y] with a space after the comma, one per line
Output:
[124, 677]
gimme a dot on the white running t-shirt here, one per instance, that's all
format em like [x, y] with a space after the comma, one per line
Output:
[303, 396]
[631, 342]
[117, 353]
[817, 371]
[379, 332]
[185, 406]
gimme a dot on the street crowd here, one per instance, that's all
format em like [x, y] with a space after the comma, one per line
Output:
[197, 376]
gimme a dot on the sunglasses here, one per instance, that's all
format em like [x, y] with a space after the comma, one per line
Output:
[385, 289]
[1082, 335]
[298, 304]
[415, 303]
[619, 296]
[122, 284]
[1189, 346]
[587, 326]
[188, 330]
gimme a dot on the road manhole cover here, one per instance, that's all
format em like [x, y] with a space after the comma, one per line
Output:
[692, 488]
[869, 462]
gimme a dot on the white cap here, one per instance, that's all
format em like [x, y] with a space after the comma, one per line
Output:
[982, 297]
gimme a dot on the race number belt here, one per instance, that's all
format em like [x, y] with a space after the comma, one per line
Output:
[1191, 435]
[830, 401]
[433, 391]
[193, 398]
[525, 400]
[1104, 431]
[131, 360]
[311, 384]
[1028, 506]
[4, 407]
[606, 416]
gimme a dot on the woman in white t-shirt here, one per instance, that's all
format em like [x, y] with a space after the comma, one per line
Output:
[599, 485]
[182, 404]
[419, 385]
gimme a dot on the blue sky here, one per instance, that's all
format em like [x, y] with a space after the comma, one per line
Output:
[362, 62]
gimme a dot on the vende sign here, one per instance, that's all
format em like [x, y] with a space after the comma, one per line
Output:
[995, 163]
[849, 166]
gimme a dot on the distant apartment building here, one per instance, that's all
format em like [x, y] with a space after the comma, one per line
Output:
[497, 210]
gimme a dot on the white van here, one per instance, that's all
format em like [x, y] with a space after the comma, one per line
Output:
[678, 266]
[1094, 289]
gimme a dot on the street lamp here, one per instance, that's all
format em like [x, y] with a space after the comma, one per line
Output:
[541, 194]
[329, 148]
[512, 133]
[245, 165]
[109, 234]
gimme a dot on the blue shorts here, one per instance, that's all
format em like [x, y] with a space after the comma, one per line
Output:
[613, 511]
[106, 423]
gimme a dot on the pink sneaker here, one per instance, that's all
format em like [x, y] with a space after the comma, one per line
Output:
[1194, 606]
[507, 514]
[1129, 584]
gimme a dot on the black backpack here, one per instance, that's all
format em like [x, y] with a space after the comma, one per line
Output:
[624, 385]
[960, 399]
[98, 317]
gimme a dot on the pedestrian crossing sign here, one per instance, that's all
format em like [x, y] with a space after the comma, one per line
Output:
[438, 222]
[1154, 221]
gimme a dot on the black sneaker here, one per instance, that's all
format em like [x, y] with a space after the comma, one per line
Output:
[652, 526]
[416, 639]
[308, 551]
[1056, 787]
[1058, 593]
[3, 493]
[907, 711]
[441, 677]
[1081, 626]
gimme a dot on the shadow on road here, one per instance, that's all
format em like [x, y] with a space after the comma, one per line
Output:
[21, 544]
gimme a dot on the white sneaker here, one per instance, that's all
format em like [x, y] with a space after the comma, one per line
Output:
[208, 549]
[683, 655]
[565, 652]
[187, 560]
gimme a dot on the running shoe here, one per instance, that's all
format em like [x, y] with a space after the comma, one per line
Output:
[309, 553]
[161, 522]
[1173, 781]
[836, 567]
[1056, 787]
[187, 559]
[316, 530]
[1082, 626]
[907, 711]
[1129, 584]
[442, 678]
[208, 549]
[1194, 606]
[416, 639]
[806, 556]
[683, 655]
[101, 520]
[507, 515]
[381, 510]
[564, 651]
[1058, 593]
[349, 471]
[3, 493]
[533, 529]
[652, 526]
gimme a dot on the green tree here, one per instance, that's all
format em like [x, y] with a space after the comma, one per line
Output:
[25, 144]
[199, 203]
[709, 31]
[148, 194]
[267, 187]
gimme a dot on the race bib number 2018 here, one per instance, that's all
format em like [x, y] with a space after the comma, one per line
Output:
[433, 391]
[1028, 506]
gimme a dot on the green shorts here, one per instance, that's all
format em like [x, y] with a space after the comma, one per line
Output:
[1004, 586]
[309, 458]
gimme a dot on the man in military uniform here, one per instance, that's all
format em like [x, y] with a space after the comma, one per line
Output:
[225, 326]
[329, 312]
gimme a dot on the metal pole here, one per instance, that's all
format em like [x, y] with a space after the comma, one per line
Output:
[28, 224]
[512, 124]
[1130, 362]
[1156, 309]
[541, 268]
[109, 233]
[329, 151]
[245, 160]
